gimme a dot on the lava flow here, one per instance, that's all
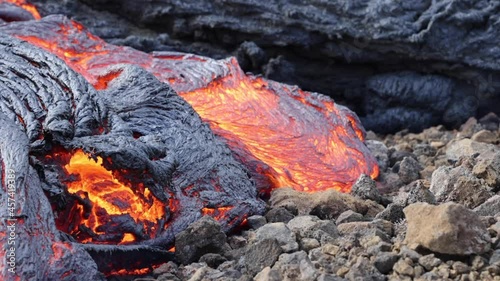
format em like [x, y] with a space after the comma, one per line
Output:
[27, 6]
[111, 199]
[293, 138]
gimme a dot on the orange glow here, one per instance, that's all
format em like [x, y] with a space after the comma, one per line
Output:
[106, 192]
[216, 213]
[60, 249]
[292, 137]
[125, 272]
[28, 7]
[300, 153]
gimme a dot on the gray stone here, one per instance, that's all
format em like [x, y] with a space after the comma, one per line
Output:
[366, 188]
[378, 248]
[328, 204]
[268, 274]
[169, 267]
[489, 170]
[468, 147]
[458, 184]
[329, 277]
[489, 208]
[380, 152]
[365, 229]
[393, 213]
[262, 254]
[384, 262]
[202, 237]
[349, 216]
[405, 252]
[429, 262]
[313, 227]
[449, 228]
[485, 136]
[286, 238]
[403, 268]
[307, 244]
[364, 270]
[460, 267]
[409, 170]
[167, 277]
[213, 260]
[296, 265]
[256, 221]
[495, 257]
[413, 193]
[279, 215]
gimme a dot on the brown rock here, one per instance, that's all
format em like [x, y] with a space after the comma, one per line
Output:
[468, 147]
[485, 136]
[458, 184]
[327, 204]
[489, 170]
[448, 229]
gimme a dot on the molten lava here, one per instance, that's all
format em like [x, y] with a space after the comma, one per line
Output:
[27, 6]
[107, 193]
[295, 138]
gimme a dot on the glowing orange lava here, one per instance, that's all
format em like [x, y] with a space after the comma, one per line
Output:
[101, 185]
[298, 139]
[28, 7]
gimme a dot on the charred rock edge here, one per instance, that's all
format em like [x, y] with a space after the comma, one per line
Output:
[44, 103]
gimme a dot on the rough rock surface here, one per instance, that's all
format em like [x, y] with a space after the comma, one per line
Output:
[203, 236]
[447, 229]
[325, 204]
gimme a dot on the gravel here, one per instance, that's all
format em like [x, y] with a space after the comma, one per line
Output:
[433, 214]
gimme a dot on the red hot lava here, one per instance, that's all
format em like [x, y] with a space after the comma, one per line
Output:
[292, 137]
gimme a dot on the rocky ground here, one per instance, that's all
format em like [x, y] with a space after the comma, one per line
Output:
[434, 214]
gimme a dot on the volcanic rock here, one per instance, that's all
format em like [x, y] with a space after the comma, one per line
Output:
[393, 213]
[460, 185]
[279, 215]
[327, 204]
[366, 188]
[406, 252]
[313, 227]
[362, 269]
[278, 230]
[468, 147]
[490, 122]
[485, 136]
[307, 244]
[349, 216]
[380, 152]
[364, 229]
[488, 168]
[212, 260]
[429, 262]
[296, 265]
[385, 261]
[262, 254]
[409, 169]
[403, 268]
[413, 193]
[202, 237]
[268, 274]
[256, 221]
[489, 208]
[449, 228]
